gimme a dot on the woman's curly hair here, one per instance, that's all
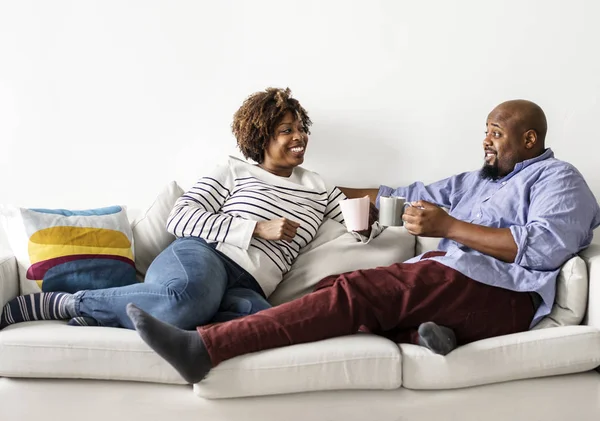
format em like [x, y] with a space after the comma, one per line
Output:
[255, 122]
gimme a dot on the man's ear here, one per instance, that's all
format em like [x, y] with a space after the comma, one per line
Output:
[531, 138]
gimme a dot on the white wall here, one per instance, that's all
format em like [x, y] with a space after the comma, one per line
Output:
[103, 102]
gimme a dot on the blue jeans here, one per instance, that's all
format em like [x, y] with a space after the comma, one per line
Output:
[189, 284]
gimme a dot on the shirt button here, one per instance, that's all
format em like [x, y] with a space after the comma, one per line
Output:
[478, 215]
[504, 183]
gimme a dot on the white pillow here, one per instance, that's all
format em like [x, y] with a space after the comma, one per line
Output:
[571, 296]
[334, 250]
[150, 230]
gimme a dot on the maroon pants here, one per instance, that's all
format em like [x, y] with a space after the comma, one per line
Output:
[390, 301]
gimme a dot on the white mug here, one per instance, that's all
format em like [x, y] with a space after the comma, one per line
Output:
[391, 209]
[356, 213]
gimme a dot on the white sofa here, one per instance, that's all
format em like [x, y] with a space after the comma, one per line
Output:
[49, 370]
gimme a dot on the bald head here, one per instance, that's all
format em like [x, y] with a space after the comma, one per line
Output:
[523, 115]
[515, 132]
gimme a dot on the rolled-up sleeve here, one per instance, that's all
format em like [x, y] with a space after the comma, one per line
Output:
[561, 217]
[440, 193]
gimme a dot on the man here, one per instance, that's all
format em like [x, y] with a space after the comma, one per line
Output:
[510, 227]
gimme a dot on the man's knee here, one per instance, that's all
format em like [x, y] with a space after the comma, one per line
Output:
[326, 282]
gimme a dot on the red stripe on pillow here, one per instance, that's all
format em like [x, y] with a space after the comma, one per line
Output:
[38, 270]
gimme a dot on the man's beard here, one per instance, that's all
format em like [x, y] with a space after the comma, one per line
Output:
[489, 172]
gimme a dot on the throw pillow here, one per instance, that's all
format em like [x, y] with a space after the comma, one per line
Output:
[334, 250]
[571, 296]
[150, 230]
[64, 250]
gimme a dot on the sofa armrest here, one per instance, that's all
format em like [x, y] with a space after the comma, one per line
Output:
[9, 279]
[591, 256]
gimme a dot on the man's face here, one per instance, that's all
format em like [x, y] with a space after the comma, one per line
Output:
[503, 144]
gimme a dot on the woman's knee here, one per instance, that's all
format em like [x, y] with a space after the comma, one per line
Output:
[187, 264]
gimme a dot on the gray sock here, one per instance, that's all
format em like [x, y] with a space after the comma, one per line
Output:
[439, 339]
[183, 349]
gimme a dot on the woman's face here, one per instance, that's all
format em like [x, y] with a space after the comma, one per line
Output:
[286, 148]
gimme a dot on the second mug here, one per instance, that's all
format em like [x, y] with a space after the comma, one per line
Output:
[391, 209]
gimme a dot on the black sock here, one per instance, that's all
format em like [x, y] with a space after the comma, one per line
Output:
[183, 349]
[439, 339]
[40, 306]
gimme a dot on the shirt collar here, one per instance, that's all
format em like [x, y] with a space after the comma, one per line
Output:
[548, 153]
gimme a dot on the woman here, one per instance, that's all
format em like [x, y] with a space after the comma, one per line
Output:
[238, 230]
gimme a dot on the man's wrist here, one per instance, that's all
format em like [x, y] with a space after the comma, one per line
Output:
[453, 228]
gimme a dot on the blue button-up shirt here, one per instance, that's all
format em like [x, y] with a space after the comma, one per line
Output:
[545, 202]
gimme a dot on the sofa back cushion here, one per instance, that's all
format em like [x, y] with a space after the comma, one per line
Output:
[4, 246]
[334, 250]
[150, 230]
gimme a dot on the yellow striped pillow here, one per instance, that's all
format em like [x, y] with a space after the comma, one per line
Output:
[64, 250]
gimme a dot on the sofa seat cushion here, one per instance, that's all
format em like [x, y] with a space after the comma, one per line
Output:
[536, 353]
[51, 349]
[361, 361]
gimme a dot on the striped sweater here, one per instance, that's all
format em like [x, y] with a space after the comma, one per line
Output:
[225, 206]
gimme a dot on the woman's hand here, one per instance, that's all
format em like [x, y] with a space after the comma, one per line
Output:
[373, 217]
[373, 214]
[276, 229]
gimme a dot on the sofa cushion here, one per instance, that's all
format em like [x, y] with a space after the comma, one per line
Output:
[571, 296]
[64, 250]
[9, 279]
[150, 233]
[334, 250]
[360, 361]
[425, 244]
[591, 256]
[55, 350]
[536, 353]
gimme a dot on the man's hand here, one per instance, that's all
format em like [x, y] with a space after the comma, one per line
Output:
[427, 220]
[276, 229]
